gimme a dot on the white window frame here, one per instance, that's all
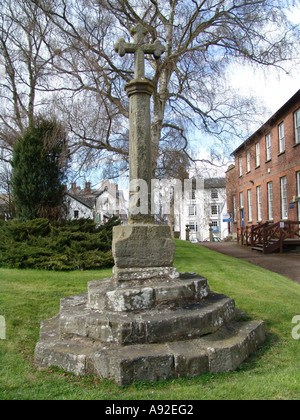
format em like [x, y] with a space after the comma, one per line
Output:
[257, 155]
[193, 226]
[297, 126]
[241, 166]
[215, 224]
[270, 200]
[268, 147]
[192, 210]
[241, 200]
[281, 138]
[248, 160]
[284, 200]
[214, 194]
[234, 209]
[258, 202]
[249, 198]
[217, 207]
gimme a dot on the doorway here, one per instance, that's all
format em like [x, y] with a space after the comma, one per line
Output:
[242, 218]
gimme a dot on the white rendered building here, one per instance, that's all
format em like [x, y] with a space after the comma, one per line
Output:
[204, 207]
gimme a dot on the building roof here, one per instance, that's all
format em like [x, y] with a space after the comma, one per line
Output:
[88, 197]
[88, 202]
[265, 128]
[214, 183]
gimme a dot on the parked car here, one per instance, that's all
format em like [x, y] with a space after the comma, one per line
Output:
[215, 239]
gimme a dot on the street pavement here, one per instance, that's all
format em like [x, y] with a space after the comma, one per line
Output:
[286, 264]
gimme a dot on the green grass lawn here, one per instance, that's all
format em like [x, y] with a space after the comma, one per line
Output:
[27, 297]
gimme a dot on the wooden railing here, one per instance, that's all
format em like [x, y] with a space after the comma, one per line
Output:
[244, 235]
[270, 237]
[257, 233]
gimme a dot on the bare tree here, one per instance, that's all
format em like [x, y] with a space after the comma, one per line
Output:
[6, 198]
[24, 31]
[202, 37]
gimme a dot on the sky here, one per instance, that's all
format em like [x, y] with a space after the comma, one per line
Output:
[271, 87]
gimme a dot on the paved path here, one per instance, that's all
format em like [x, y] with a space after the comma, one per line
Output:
[287, 265]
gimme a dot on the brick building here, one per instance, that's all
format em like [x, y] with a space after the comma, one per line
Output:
[264, 183]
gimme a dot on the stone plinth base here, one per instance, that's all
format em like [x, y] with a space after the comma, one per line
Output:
[143, 251]
[147, 331]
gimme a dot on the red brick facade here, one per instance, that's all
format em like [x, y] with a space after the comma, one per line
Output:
[264, 184]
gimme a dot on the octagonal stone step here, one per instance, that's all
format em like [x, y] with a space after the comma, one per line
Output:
[155, 326]
[188, 289]
[222, 351]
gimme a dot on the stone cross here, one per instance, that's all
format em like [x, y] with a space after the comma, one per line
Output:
[139, 91]
[139, 48]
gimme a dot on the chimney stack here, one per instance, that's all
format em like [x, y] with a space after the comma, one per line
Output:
[87, 189]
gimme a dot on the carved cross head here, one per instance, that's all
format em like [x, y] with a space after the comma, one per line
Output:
[139, 48]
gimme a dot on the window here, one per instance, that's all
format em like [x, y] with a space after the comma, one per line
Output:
[192, 195]
[214, 194]
[241, 200]
[298, 192]
[192, 211]
[76, 214]
[249, 196]
[248, 161]
[281, 138]
[258, 198]
[270, 200]
[240, 166]
[257, 154]
[284, 201]
[234, 209]
[214, 210]
[297, 126]
[268, 146]
[215, 226]
[193, 227]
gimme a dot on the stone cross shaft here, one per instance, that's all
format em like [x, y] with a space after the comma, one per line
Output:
[139, 48]
[139, 91]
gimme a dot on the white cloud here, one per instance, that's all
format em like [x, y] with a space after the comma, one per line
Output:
[270, 86]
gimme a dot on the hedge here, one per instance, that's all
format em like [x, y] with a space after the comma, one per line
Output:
[67, 245]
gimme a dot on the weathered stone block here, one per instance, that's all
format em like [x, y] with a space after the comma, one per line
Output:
[189, 359]
[97, 293]
[55, 354]
[140, 274]
[143, 245]
[190, 322]
[140, 296]
[130, 300]
[135, 364]
[155, 326]
[229, 347]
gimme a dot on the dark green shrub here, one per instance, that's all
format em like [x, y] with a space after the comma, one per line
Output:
[39, 167]
[50, 245]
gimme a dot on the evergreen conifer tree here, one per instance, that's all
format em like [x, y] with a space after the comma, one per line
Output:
[39, 170]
